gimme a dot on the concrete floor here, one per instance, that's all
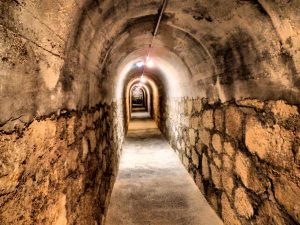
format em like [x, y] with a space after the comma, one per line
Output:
[139, 115]
[152, 187]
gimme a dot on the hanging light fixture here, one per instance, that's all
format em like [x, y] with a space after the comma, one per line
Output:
[143, 79]
[148, 62]
[140, 64]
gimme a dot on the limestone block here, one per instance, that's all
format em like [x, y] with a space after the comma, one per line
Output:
[273, 144]
[297, 156]
[199, 182]
[204, 136]
[246, 171]
[71, 163]
[282, 110]
[185, 121]
[229, 149]
[227, 163]
[92, 139]
[185, 161]
[189, 107]
[183, 145]
[207, 119]
[83, 122]
[219, 120]
[96, 116]
[71, 130]
[85, 149]
[199, 147]
[90, 121]
[217, 161]
[248, 111]
[227, 182]
[10, 182]
[228, 215]
[270, 214]
[195, 158]
[213, 200]
[194, 122]
[61, 211]
[178, 146]
[198, 105]
[242, 203]
[252, 103]
[188, 152]
[205, 168]
[287, 194]
[217, 143]
[42, 133]
[192, 137]
[104, 163]
[233, 122]
[216, 176]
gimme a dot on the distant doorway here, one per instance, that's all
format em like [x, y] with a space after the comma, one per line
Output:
[139, 99]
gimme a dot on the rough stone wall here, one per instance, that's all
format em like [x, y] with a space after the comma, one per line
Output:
[244, 156]
[60, 169]
[58, 134]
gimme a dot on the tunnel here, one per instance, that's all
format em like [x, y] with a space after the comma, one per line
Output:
[93, 90]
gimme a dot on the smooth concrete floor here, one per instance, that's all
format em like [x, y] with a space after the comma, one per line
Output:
[152, 186]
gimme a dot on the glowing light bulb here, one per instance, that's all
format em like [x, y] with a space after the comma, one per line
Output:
[150, 63]
[140, 64]
[143, 79]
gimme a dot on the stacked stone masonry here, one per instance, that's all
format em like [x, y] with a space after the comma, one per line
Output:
[57, 166]
[244, 156]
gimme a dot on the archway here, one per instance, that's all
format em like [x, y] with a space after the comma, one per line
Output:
[225, 93]
[139, 99]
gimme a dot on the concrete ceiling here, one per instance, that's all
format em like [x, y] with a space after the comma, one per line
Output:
[81, 52]
[223, 50]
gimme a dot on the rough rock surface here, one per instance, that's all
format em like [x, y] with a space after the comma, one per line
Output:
[257, 155]
[58, 166]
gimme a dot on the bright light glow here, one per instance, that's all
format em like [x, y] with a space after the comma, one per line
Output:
[150, 63]
[140, 64]
[143, 79]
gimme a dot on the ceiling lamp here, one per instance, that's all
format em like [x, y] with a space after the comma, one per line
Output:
[140, 64]
[150, 63]
[143, 79]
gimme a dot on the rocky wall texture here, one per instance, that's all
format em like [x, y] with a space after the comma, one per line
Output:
[244, 156]
[60, 169]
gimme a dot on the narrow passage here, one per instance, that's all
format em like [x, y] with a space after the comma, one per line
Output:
[153, 187]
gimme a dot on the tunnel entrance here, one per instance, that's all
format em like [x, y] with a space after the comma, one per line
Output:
[139, 99]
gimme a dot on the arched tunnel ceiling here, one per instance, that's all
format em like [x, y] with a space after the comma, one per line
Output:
[229, 52]
[63, 68]
[150, 85]
[168, 71]
[73, 49]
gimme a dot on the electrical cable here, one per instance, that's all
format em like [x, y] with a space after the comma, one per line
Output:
[164, 5]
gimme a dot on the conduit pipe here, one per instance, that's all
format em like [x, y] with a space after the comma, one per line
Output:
[164, 5]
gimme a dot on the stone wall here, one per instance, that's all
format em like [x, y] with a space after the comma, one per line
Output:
[244, 156]
[60, 169]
